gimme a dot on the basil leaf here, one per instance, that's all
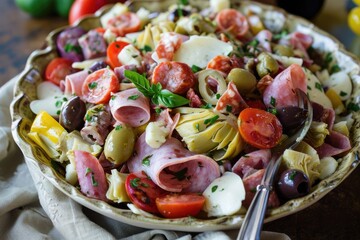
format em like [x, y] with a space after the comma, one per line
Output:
[169, 99]
[141, 83]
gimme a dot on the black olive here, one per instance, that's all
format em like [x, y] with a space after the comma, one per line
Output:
[72, 114]
[97, 65]
[177, 13]
[293, 183]
[291, 118]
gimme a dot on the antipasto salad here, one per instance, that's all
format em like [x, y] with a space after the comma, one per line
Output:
[175, 113]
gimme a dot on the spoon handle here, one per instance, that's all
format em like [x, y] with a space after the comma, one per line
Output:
[252, 225]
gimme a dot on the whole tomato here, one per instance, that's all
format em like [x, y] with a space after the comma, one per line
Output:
[81, 8]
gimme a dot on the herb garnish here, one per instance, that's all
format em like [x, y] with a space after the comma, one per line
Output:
[133, 97]
[214, 188]
[92, 85]
[146, 161]
[195, 68]
[158, 95]
[211, 120]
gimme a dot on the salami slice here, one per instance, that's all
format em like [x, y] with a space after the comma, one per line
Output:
[130, 107]
[231, 101]
[172, 167]
[91, 175]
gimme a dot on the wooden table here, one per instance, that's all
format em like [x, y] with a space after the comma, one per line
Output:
[336, 216]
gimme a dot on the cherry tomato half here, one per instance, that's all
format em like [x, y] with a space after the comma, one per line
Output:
[99, 85]
[232, 21]
[143, 192]
[180, 205]
[259, 128]
[113, 51]
[58, 69]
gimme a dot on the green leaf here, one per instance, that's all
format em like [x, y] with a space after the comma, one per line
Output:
[171, 100]
[141, 83]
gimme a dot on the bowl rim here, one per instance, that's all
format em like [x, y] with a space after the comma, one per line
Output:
[185, 224]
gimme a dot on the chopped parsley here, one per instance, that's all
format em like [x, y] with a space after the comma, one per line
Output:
[195, 68]
[207, 106]
[218, 96]
[58, 103]
[197, 127]
[87, 171]
[118, 127]
[292, 175]
[273, 101]
[146, 161]
[93, 181]
[334, 69]
[214, 188]
[318, 86]
[72, 48]
[113, 97]
[353, 107]
[146, 48]
[92, 85]
[211, 120]
[134, 183]
[342, 94]
[228, 108]
[280, 35]
[133, 97]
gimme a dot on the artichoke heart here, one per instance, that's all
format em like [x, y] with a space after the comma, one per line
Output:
[116, 191]
[317, 134]
[207, 132]
[303, 158]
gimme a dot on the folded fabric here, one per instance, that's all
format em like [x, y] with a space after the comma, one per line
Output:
[32, 208]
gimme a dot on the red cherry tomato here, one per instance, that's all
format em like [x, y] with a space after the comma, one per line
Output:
[81, 8]
[176, 77]
[143, 192]
[259, 128]
[125, 23]
[113, 51]
[180, 205]
[99, 85]
[233, 21]
[58, 69]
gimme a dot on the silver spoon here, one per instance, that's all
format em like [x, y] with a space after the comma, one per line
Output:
[252, 224]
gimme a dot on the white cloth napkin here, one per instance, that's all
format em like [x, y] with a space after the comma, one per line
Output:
[32, 208]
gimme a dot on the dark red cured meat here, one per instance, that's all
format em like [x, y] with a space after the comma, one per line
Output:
[93, 45]
[282, 89]
[195, 100]
[176, 77]
[174, 168]
[134, 112]
[231, 100]
[250, 184]
[224, 64]
[91, 175]
[335, 144]
[252, 162]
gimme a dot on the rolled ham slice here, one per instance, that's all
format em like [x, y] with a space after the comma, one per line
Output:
[130, 107]
[73, 83]
[250, 183]
[281, 91]
[172, 167]
[335, 144]
[251, 162]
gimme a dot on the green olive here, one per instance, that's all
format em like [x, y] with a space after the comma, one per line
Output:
[283, 51]
[244, 80]
[119, 144]
[266, 65]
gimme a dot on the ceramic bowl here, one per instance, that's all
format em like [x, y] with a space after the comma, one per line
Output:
[32, 75]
